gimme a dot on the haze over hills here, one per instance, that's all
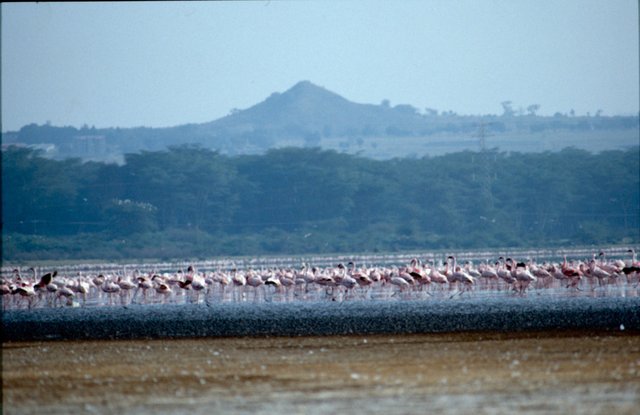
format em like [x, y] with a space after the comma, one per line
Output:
[308, 115]
[310, 109]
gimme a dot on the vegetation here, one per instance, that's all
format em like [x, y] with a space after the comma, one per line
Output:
[190, 202]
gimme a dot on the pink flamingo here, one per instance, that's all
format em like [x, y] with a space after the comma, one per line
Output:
[458, 275]
[110, 288]
[522, 275]
[437, 277]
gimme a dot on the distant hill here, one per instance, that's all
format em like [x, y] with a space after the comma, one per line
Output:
[310, 109]
[312, 116]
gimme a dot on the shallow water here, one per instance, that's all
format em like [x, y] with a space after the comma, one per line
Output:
[378, 292]
[614, 287]
[534, 372]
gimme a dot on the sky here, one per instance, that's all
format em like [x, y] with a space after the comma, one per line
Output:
[159, 64]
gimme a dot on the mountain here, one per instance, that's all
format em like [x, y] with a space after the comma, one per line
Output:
[310, 115]
[309, 109]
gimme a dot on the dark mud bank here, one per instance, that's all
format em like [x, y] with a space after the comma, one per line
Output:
[322, 318]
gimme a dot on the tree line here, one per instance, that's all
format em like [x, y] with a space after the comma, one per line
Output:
[277, 121]
[192, 202]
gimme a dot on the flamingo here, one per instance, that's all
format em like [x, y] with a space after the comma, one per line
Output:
[572, 274]
[67, 293]
[375, 275]
[489, 273]
[184, 285]
[110, 288]
[309, 277]
[504, 272]
[327, 281]
[255, 281]
[522, 275]
[598, 272]
[363, 280]
[399, 282]
[460, 276]
[223, 279]
[83, 288]
[25, 290]
[468, 267]
[198, 284]
[402, 273]
[541, 274]
[125, 288]
[144, 283]
[273, 281]
[436, 276]
[6, 291]
[349, 283]
[607, 266]
[164, 290]
[633, 269]
[44, 280]
[44, 285]
[418, 273]
[287, 280]
[362, 277]
[240, 281]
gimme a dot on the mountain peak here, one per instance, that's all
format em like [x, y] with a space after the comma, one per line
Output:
[301, 100]
[308, 109]
[308, 89]
[303, 85]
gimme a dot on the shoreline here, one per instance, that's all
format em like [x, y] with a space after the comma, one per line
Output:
[503, 314]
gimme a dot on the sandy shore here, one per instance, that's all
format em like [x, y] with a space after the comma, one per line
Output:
[468, 355]
[592, 372]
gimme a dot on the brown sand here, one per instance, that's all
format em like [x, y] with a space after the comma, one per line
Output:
[568, 372]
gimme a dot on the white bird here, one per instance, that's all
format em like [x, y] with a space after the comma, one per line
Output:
[399, 282]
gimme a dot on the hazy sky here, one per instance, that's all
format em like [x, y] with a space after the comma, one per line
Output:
[164, 64]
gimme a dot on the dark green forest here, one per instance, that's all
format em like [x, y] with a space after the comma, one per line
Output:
[191, 202]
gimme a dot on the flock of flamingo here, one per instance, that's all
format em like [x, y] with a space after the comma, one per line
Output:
[417, 279]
